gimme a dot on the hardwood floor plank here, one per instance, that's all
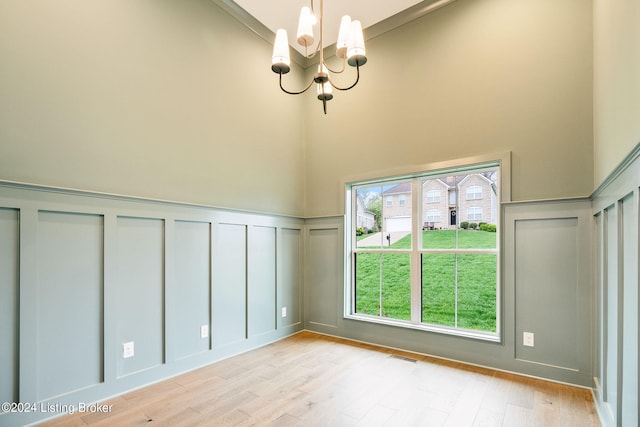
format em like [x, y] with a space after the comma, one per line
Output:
[379, 415]
[488, 418]
[314, 380]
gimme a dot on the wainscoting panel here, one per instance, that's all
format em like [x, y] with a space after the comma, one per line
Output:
[324, 268]
[140, 293]
[546, 281]
[230, 284]
[9, 268]
[612, 299]
[189, 306]
[83, 273]
[630, 262]
[261, 292]
[70, 340]
[547, 265]
[290, 262]
[615, 209]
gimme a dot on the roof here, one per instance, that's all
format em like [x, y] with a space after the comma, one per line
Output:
[404, 187]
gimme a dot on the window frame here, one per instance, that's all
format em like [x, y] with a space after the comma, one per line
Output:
[432, 199]
[477, 210]
[475, 195]
[500, 161]
[433, 220]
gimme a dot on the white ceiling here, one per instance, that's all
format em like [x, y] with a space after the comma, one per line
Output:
[275, 14]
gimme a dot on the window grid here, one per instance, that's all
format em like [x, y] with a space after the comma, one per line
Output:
[474, 192]
[474, 213]
[415, 254]
[433, 215]
[433, 196]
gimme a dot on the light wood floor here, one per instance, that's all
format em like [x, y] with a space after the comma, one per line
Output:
[314, 380]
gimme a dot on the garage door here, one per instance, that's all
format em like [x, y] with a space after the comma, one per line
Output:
[398, 223]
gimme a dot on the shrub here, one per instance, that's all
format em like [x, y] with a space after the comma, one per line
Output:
[473, 225]
[464, 224]
[491, 228]
[359, 231]
[483, 226]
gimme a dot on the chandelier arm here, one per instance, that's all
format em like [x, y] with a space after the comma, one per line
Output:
[293, 93]
[313, 54]
[354, 83]
[344, 62]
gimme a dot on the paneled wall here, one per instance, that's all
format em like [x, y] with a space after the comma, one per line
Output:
[545, 288]
[547, 259]
[81, 274]
[324, 274]
[616, 367]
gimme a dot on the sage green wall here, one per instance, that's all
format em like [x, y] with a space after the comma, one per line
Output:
[474, 77]
[81, 274]
[537, 294]
[164, 99]
[616, 252]
[616, 38]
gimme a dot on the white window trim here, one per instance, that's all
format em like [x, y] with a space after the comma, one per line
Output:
[474, 195]
[476, 210]
[434, 220]
[432, 199]
[502, 160]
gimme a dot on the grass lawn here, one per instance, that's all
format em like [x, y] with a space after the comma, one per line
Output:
[446, 239]
[475, 293]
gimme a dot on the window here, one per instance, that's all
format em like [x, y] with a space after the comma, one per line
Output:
[444, 278]
[474, 213]
[453, 197]
[474, 192]
[403, 200]
[433, 196]
[389, 201]
[433, 215]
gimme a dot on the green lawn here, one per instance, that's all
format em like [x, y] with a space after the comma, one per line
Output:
[476, 287]
[446, 239]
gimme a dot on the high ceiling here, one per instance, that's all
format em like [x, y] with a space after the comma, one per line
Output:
[266, 16]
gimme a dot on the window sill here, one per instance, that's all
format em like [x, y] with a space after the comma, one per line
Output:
[462, 333]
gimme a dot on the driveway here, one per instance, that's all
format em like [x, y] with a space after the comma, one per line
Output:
[375, 238]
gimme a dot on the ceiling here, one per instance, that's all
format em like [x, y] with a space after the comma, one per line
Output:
[377, 16]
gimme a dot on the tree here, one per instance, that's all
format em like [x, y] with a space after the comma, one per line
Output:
[372, 201]
[375, 207]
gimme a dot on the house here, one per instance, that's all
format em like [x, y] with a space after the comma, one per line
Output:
[365, 218]
[447, 202]
[477, 199]
[396, 208]
[159, 194]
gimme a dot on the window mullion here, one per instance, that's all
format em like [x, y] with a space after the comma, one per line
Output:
[416, 243]
[452, 256]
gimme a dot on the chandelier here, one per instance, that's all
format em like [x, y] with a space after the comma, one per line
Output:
[349, 47]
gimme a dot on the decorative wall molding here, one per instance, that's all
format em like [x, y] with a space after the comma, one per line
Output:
[615, 209]
[83, 273]
[532, 233]
[628, 162]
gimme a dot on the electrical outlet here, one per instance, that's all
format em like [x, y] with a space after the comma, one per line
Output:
[284, 311]
[127, 350]
[527, 339]
[204, 331]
